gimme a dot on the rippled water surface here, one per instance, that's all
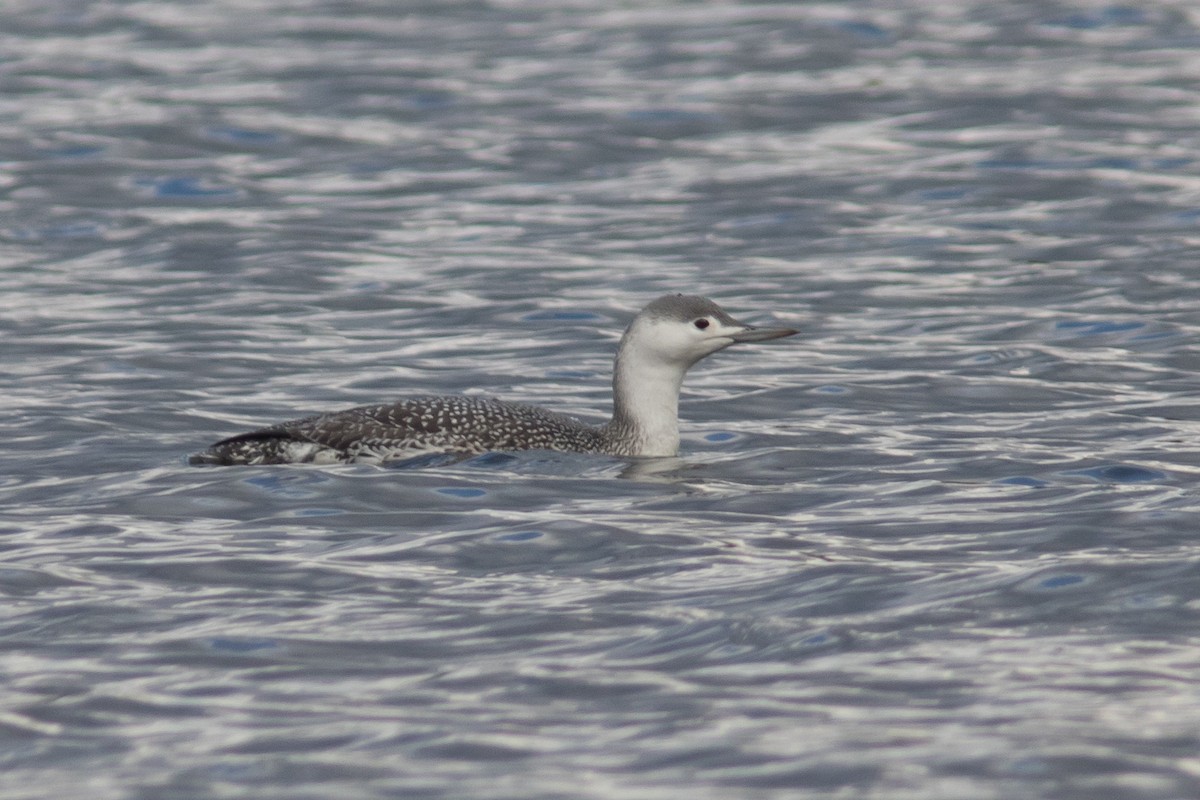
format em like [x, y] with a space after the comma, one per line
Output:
[943, 545]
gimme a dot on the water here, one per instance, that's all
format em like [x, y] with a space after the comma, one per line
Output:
[941, 546]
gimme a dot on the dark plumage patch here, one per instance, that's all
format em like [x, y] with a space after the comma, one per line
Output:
[397, 430]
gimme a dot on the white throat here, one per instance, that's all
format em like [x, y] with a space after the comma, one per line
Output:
[646, 399]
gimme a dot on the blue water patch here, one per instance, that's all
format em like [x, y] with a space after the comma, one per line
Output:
[831, 388]
[669, 115]
[178, 186]
[944, 193]
[82, 229]
[430, 101]
[1171, 163]
[229, 133]
[424, 461]
[1024, 480]
[492, 460]
[1153, 336]
[1031, 766]
[1013, 163]
[1112, 162]
[1061, 581]
[759, 220]
[317, 512]
[863, 29]
[230, 645]
[1056, 581]
[1084, 328]
[89, 530]
[288, 484]
[1113, 16]
[234, 771]
[465, 492]
[720, 437]
[561, 315]
[75, 151]
[1119, 473]
[1105, 162]
[520, 536]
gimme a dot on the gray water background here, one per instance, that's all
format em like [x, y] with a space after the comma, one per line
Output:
[943, 545]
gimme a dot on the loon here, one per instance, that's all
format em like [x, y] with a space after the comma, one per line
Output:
[666, 338]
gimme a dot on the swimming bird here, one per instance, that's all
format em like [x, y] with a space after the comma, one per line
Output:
[666, 338]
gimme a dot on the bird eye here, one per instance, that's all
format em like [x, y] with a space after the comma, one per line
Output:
[701, 323]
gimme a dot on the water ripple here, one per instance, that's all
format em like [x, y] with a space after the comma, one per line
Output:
[951, 526]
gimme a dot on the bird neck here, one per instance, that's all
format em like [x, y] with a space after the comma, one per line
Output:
[645, 402]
